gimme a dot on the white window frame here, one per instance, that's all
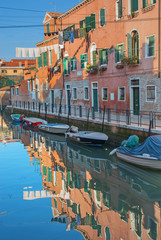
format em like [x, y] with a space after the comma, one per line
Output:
[147, 46]
[75, 92]
[17, 91]
[85, 63]
[29, 85]
[116, 5]
[50, 58]
[92, 49]
[103, 94]
[129, 7]
[147, 93]
[87, 99]
[100, 17]
[124, 94]
[120, 44]
[13, 91]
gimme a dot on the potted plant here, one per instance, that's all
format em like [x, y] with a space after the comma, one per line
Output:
[102, 68]
[91, 68]
[130, 61]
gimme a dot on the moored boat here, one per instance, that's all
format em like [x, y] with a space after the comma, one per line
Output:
[57, 128]
[87, 138]
[147, 154]
[16, 117]
[34, 122]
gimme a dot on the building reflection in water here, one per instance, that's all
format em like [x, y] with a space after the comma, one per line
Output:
[91, 194]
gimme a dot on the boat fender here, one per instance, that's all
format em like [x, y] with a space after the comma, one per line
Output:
[78, 139]
[146, 155]
[113, 151]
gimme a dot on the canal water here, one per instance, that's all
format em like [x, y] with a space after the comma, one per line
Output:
[52, 189]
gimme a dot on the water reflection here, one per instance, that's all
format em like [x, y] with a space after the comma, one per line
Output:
[92, 193]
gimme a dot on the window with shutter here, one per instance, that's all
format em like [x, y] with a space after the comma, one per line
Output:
[82, 23]
[48, 27]
[40, 61]
[93, 21]
[134, 5]
[129, 45]
[94, 58]
[147, 3]
[119, 52]
[150, 46]
[73, 64]
[88, 23]
[45, 60]
[120, 13]
[102, 17]
[84, 60]
[103, 56]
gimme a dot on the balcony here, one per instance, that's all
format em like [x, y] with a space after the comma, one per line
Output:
[92, 69]
[130, 61]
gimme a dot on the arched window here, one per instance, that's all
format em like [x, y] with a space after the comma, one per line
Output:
[107, 233]
[93, 54]
[133, 44]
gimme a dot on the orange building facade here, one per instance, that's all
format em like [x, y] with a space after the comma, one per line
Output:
[109, 56]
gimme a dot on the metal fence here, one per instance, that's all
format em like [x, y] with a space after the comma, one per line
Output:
[103, 115]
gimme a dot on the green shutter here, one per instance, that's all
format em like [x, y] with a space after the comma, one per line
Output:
[104, 56]
[120, 9]
[93, 21]
[102, 17]
[81, 23]
[88, 23]
[129, 45]
[44, 170]
[39, 61]
[151, 46]
[154, 1]
[82, 61]
[122, 53]
[48, 27]
[116, 54]
[94, 58]
[100, 57]
[65, 66]
[49, 175]
[71, 64]
[144, 3]
[45, 60]
[134, 5]
[68, 65]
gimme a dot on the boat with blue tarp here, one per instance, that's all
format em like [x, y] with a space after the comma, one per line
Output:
[147, 154]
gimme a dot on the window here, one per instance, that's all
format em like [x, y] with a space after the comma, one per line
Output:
[133, 44]
[107, 234]
[119, 10]
[102, 17]
[74, 93]
[152, 225]
[134, 5]
[73, 64]
[147, 3]
[12, 91]
[103, 56]
[15, 71]
[90, 22]
[40, 61]
[45, 59]
[84, 60]
[150, 46]
[17, 91]
[121, 94]
[48, 27]
[4, 71]
[50, 57]
[86, 93]
[66, 66]
[28, 85]
[82, 23]
[105, 94]
[151, 93]
[119, 52]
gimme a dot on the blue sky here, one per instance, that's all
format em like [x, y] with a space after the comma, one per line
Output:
[10, 38]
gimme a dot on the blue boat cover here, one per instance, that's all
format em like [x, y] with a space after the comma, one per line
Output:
[151, 146]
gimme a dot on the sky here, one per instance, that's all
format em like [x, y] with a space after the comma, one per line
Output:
[17, 20]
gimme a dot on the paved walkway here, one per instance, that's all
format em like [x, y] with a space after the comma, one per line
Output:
[136, 123]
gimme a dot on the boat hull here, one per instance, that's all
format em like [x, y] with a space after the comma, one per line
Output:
[15, 118]
[56, 129]
[86, 138]
[33, 122]
[152, 163]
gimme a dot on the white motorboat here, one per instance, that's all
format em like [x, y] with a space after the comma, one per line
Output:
[147, 154]
[87, 138]
[57, 128]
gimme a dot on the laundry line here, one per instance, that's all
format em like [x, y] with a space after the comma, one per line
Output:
[36, 52]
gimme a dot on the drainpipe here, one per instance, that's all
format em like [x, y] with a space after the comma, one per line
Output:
[159, 32]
